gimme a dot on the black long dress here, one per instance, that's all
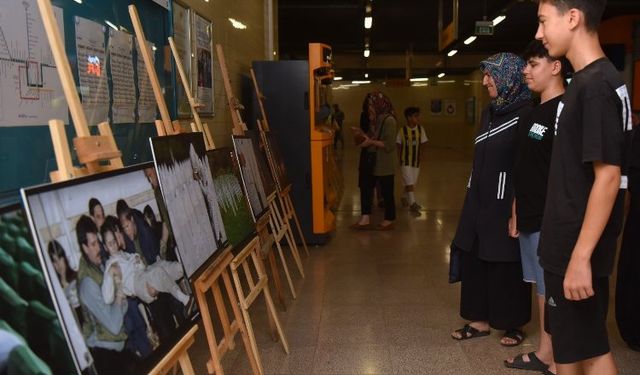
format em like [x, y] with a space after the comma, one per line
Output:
[491, 274]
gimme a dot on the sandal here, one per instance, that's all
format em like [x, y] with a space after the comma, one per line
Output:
[514, 334]
[468, 332]
[534, 364]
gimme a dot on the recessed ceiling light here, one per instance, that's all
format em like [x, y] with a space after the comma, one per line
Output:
[499, 19]
[441, 75]
[337, 78]
[237, 24]
[425, 79]
[360, 82]
[470, 39]
[452, 52]
[366, 52]
[368, 22]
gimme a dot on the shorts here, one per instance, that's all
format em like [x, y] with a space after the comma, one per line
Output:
[578, 328]
[532, 272]
[410, 174]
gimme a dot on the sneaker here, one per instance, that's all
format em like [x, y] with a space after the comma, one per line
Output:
[404, 201]
[415, 207]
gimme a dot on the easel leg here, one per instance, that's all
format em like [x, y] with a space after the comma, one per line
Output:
[254, 359]
[276, 279]
[286, 269]
[295, 218]
[294, 248]
[272, 312]
[185, 365]
[224, 318]
[213, 364]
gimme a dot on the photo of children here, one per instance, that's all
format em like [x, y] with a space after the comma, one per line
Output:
[115, 293]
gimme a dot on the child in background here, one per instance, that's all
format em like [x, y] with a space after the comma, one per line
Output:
[411, 140]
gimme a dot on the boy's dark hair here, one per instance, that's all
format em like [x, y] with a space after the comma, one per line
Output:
[84, 226]
[536, 49]
[93, 202]
[410, 111]
[121, 207]
[592, 9]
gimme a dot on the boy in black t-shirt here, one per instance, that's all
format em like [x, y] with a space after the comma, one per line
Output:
[583, 211]
[545, 76]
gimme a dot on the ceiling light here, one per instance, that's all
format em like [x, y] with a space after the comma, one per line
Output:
[360, 82]
[448, 81]
[368, 21]
[111, 25]
[78, 1]
[419, 84]
[237, 24]
[452, 52]
[419, 79]
[367, 52]
[337, 78]
[366, 75]
[498, 19]
[441, 75]
[470, 39]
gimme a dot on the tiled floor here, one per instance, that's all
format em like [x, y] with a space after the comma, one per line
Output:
[379, 302]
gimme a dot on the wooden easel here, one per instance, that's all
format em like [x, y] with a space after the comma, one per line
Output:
[278, 227]
[284, 192]
[165, 126]
[91, 151]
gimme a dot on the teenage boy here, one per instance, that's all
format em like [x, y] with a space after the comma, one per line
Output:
[544, 75]
[410, 140]
[583, 211]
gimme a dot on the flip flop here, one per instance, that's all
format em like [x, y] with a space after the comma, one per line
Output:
[534, 364]
[515, 335]
[468, 332]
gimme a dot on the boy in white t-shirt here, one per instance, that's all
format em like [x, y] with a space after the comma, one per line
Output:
[411, 140]
[127, 273]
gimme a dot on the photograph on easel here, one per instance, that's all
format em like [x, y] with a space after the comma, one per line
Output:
[277, 161]
[263, 164]
[118, 287]
[192, 200]
[236, 214]
[30, 331]
[251, 179]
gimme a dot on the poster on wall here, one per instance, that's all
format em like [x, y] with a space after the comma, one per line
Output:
[182, 38]
[204, 63]
[91, 52]
[449, 107]
[146, 99]
[470, 110]
[30, 88]
[121, 64]
[436, 107]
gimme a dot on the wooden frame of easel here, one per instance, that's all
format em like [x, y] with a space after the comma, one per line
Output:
[276, 225]
[91, 151]
[284, 192]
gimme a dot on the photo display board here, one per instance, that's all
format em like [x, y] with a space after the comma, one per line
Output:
[123, 288]
[29, 326]
[274, 155]
[247, 153]
[234, 207]
[191, 197]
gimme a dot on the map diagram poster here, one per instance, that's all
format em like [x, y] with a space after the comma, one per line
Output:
[91, 50]
[204, 60]
[30, 89]
[146, 99]
[121, 64]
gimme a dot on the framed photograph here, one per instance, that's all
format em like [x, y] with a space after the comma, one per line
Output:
[192, 200]
[436, 107]
[182, 37]
[250, 173]
[32, 332]
[203, 47]
[449, 107]
[121, 294]
[276, 161]
[266, 176]
[234, 207]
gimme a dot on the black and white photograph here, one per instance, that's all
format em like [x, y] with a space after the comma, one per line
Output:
[249, 170]
[192, 201]
[268, 181]
[122, 295]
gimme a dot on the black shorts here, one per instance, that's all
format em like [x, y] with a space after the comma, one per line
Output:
[578, 329]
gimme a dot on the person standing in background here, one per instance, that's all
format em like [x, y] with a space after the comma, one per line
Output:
[411, 141]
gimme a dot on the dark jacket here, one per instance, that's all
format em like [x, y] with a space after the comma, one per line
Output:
[487, 205]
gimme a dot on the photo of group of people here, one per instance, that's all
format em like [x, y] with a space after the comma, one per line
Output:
[232, 200]
[192, 200]
[111, 261]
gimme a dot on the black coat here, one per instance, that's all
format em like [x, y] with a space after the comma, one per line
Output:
[487, 205]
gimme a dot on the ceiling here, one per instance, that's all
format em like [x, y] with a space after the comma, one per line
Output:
[404, 36]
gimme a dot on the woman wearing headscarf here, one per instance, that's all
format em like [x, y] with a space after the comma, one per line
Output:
[493, 294]
[377, 159]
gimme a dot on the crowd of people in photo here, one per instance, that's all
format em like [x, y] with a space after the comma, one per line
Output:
[129, 293]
